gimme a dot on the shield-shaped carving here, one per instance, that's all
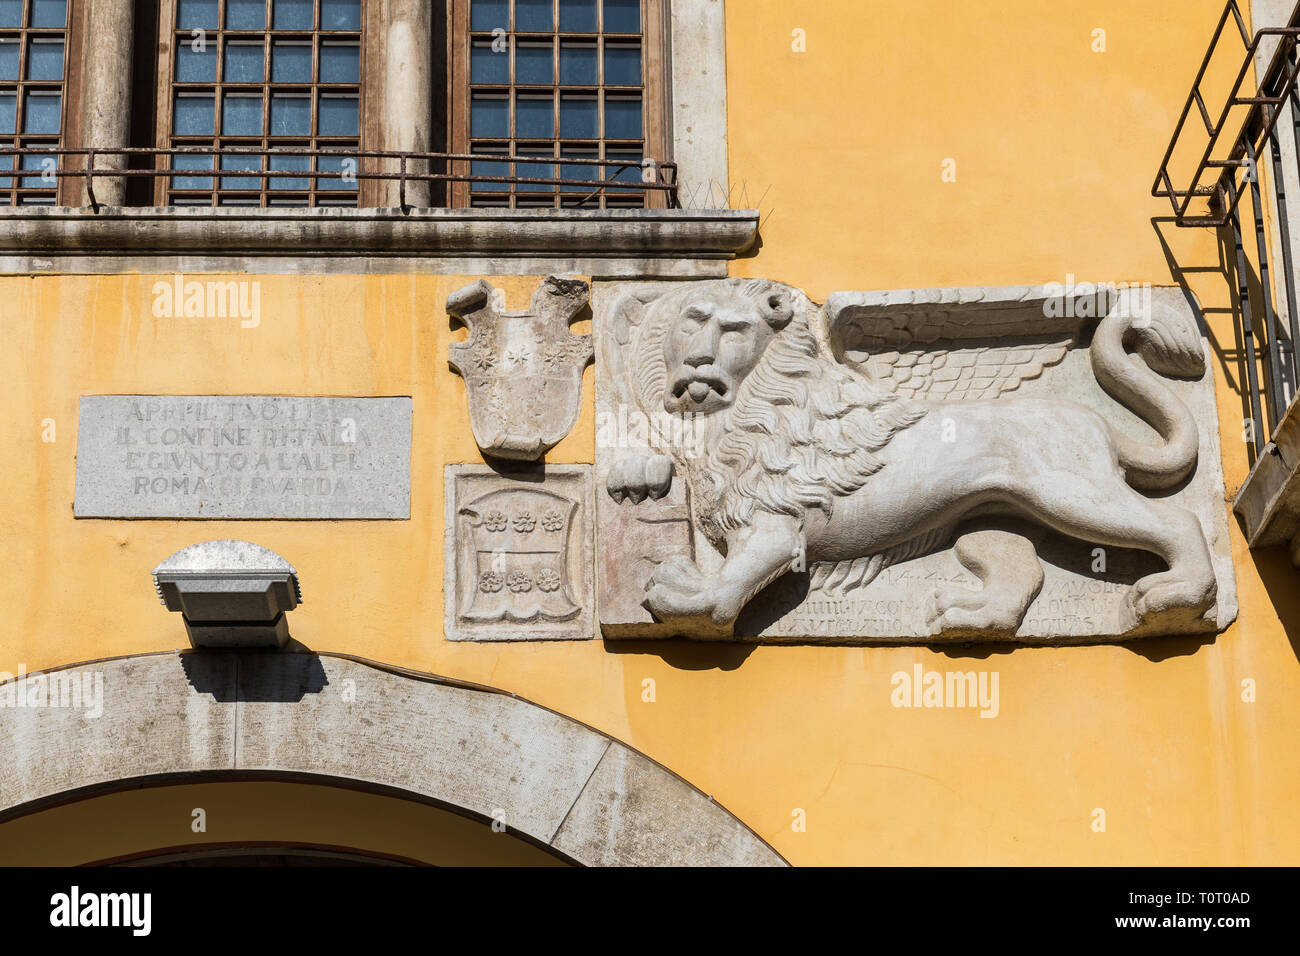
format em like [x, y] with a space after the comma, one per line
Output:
[515, 557]
[522, 370]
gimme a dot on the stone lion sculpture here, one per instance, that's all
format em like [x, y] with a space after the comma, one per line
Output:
[813, 461]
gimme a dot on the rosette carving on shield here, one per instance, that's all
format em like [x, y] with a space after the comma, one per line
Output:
[515, 550]
[522, 370]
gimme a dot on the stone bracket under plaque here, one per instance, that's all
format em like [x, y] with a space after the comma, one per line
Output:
[522, 370]
[230, 593]
[519, 549]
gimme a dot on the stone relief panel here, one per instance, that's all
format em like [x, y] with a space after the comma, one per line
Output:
[519, 554]
[1014, 464]
[522, 370]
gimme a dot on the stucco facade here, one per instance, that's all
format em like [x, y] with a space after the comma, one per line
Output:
[966, 145]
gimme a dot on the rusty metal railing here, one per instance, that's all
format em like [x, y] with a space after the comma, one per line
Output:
[1238, 175]
[652, 175]
[1265, 104]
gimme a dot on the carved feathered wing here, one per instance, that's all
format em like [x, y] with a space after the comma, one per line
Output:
[945, 345]
[955, 344]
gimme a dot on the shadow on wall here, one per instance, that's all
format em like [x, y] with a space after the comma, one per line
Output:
[1272, 565]
[299, 673]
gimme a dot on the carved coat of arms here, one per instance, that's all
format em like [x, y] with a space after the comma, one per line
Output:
[523, 370]
[516, 544]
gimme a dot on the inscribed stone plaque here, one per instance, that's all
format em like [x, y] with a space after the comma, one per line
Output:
[519, 554]
[243, 456]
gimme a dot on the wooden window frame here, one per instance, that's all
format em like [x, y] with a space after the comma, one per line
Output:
[655, 100]
[69, 88]
[370, 82]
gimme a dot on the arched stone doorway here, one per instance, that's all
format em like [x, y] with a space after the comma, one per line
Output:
[193, 717]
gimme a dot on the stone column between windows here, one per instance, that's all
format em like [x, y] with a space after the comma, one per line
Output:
[408, 93]
[106, 91]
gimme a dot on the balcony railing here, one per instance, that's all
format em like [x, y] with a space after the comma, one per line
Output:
[403, 168]
[1228, 169]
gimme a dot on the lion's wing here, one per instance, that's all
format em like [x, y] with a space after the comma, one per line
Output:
[955, 344]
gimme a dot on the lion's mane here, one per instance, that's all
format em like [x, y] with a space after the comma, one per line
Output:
[802, 431]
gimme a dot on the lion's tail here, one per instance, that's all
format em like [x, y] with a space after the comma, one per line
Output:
[1165, 342]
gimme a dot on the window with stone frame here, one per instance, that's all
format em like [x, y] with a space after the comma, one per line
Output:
[33, 75]
[553, 80]
[247, 76]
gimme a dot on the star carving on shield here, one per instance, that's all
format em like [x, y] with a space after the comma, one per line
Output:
[523, 369]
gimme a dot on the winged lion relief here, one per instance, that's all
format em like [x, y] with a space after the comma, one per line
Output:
[907, 466]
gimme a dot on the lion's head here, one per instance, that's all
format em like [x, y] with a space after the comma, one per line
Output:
[789, 428]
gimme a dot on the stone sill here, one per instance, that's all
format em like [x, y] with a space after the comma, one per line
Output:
[1268, 502]
[621, 243]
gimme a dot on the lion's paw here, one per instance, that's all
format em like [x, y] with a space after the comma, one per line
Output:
[678, 590]
[969, 612]
[1171, 598]
[637, 477]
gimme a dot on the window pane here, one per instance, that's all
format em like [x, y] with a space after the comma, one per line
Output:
[578, 16]
[8, 112]
[289, 162]
[340, 14]
[241, 115]
[344, 164]
[241, 162]
[290, 62]
[46, 165]
[6, 162]
[587, 173]
[337, 116]
[488, 66]
[290, 115]
[194, 67]
[489, 116]
[535, 171]
[45, 60]
[245, 14]
[630, 174]
[243, 63]
[291, 14]
[489, 169]
[8, 59]
[191, 162]
[197, 14]
[534, 118]
[340, 63]
[49, 13]
[578, 64]
[533, 16]
[11, 13]
[533, 64]
[41, 112]
[622, 118]
[578, 119]
[622, 65]
[622, 16]
[489, 15]
[192, 115]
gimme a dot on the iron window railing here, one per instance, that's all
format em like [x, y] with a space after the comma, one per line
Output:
[1211, 195]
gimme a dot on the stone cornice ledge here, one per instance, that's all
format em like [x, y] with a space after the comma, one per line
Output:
[621, 243]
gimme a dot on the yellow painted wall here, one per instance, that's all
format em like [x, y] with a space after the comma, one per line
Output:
[1056, 147]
